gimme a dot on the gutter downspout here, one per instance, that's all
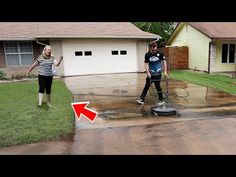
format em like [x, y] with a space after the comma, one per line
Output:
[40, 42]
[235, 70]
[209, 55]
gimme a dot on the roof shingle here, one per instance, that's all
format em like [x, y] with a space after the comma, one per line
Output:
[31, 30]
[226, 30]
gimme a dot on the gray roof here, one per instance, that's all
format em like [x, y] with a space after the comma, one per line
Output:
[216, 29]
[33, 30]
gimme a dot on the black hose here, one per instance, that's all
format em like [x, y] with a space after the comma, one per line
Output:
[178, 83]
[167, 89]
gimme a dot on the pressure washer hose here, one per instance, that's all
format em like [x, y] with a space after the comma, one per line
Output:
[179, 84]
[167, 88]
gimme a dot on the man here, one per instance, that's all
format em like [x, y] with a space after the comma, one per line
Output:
[153, 67]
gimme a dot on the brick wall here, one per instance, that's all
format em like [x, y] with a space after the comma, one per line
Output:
[36, 50]
[2, 56]
[176, 57]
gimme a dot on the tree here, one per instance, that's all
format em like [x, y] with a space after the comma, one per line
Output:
[163, 29]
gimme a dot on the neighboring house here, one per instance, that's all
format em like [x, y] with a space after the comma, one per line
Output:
[211, 45]
[87, 47]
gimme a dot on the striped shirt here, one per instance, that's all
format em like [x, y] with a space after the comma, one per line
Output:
[45, 65]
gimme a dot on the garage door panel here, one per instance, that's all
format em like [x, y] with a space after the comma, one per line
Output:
[101, 61]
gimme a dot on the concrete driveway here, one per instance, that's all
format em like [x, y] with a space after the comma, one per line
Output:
[207, 124]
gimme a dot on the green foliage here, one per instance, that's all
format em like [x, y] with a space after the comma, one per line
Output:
[2, 74]
[163, 29]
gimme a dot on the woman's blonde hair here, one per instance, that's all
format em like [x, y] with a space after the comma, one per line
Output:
[44, 49]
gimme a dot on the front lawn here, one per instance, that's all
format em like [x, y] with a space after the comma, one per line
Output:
[21, 121]
[217, 81]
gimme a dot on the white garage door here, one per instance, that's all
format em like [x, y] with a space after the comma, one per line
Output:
[87, 56]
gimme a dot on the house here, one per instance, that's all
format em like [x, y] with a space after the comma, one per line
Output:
[211, 45]
[87, 47]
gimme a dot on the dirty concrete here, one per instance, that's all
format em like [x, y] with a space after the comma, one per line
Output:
[201, 102]
[42, 148]
[119, 127]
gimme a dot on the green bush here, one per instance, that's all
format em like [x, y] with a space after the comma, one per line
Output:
[18, 76]
[2, 74]
[32, 76]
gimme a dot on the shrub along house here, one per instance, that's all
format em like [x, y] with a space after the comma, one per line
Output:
[87, 47]
[211, 45]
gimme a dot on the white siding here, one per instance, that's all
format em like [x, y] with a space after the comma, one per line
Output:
[198, 45]
[141, 50]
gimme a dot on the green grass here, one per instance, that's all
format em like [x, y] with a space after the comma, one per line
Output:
[217, 81]
[21, 121]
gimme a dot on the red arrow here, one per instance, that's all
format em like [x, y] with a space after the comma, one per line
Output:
[80, 108]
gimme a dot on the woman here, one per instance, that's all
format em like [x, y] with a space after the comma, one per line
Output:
[45, 73]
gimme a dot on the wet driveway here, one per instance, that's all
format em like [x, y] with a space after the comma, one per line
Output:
[207, 124]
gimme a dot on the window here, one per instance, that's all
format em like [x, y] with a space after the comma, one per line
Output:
[228, 53]
[224, 53]
[123, 52]
[78, 53]
[231, 53]
[88, 53]
[114, 52]
[18, 53]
